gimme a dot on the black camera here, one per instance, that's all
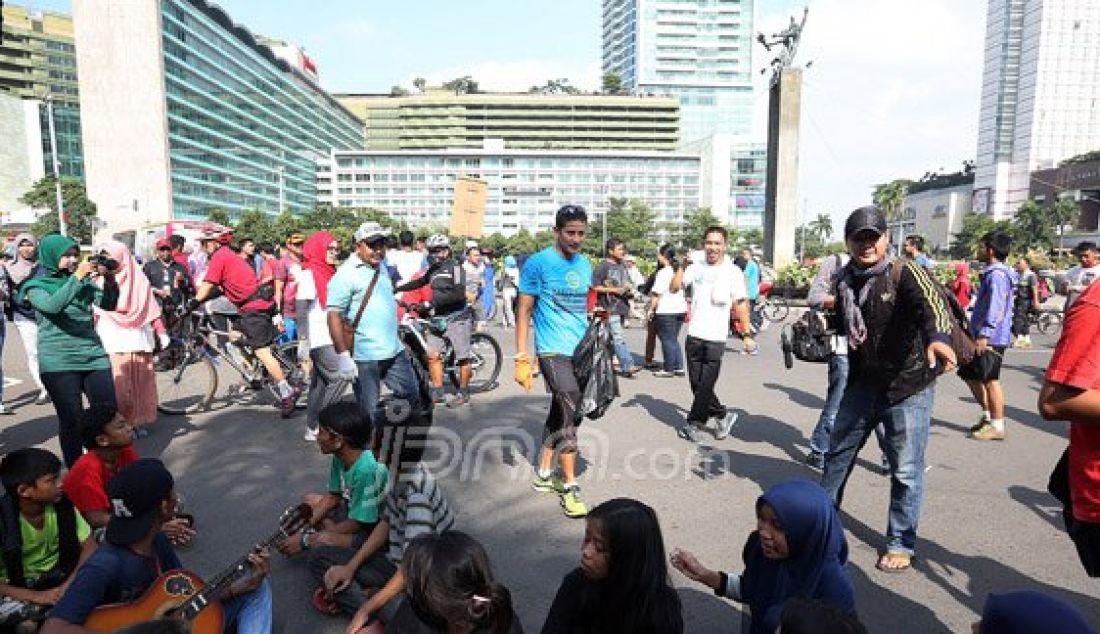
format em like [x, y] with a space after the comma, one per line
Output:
[104, 261]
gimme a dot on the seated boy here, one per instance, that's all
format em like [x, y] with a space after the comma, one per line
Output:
[142, 498]
[348, 512]
[109, 440]
[44, 539]
[414, 506]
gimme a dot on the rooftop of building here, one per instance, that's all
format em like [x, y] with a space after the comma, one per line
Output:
[443, 94]
[21, 16]
[515, 152]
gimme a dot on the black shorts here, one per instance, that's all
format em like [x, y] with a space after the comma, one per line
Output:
[986, 367]
[1086, 537]
[257, 328]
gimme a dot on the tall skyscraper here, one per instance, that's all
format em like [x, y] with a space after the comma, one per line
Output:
[697, 50]
[1040, 95]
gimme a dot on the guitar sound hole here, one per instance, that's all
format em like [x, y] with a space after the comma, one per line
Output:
[177, 586]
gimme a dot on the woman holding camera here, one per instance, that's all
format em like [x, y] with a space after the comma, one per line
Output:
[71, 358]
[668, 309]
[128, 338]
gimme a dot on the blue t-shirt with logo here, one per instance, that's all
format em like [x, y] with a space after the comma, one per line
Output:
[561, 288]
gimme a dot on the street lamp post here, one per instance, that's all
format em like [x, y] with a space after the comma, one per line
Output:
[282, 195]
[61, 224]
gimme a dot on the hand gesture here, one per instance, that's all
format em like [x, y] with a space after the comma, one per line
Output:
[84, 269]
[941, 354]
[178, 531]
[338, 578]
[291, 545]
[260, 559]
[48, 597]
[686, 563]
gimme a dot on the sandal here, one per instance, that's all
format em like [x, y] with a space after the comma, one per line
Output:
[904, 559]
[323, 603]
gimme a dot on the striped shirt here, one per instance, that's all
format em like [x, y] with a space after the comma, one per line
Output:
[414, 507]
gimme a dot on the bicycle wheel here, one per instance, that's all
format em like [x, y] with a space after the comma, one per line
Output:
[288, 360]
[1050, 323]
[186, 381]
[776, 309]
[485, 360]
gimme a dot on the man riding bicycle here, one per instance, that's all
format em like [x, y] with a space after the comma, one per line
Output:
[238, 282]
[443, 284]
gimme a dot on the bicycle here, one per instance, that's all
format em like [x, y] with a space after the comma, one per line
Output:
[1048, 322]
[186, 372]
[485, 352]
[774, 309]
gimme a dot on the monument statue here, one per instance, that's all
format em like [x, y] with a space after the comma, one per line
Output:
[788, 39]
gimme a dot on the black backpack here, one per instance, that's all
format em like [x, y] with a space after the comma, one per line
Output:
[809, 339]
[449, 288]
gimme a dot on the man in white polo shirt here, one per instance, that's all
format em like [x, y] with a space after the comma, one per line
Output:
[717, 288]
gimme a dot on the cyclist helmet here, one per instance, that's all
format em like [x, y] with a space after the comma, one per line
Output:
[221, 235]
[370, 232]
[438, 241]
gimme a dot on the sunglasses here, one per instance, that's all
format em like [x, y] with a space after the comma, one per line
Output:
[333, 249]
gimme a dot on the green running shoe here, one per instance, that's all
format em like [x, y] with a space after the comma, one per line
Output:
[571, 502]
[553, 484]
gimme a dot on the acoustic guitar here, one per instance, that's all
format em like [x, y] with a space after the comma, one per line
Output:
[183, 595]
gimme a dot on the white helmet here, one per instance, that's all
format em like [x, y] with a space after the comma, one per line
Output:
[438, 241]
[370, 231]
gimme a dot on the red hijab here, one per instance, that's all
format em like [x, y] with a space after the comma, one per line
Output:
[314, 252]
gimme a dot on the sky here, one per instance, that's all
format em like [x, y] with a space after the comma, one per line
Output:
[891, 89]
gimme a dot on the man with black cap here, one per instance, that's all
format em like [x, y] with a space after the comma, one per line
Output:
[136, 551]
[899, 333]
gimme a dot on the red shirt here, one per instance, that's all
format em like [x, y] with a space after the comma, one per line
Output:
[1076, 363]
[285, 273]
[236, 278]
[418, 296]
[86, 483]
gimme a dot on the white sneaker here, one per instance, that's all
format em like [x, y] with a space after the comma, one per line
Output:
[310, 435]
[725, 424]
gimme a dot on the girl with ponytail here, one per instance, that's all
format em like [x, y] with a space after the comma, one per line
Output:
[450, 590]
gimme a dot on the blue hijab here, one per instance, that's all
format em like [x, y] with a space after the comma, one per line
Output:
[1030, 613]
[815, 567]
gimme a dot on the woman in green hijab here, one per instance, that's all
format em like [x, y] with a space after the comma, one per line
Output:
[71, 359]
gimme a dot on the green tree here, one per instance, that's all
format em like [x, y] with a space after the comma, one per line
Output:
[754, 237]
[890, 197]
[974, 228]
[629, 220]
[1033, 227]
[462, 86]
[398, 91]
[219, 216]
[613, 84]
[523, 242]
[80, 213]
[1064, 212]
[339, 221]
[257, 226]
[285, 224]
[555, 87]
[420, 83]
[694, 225]
[808, 242]
[822, 226]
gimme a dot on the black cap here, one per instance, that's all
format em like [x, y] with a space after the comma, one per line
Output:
[135, 495]
[863, 219]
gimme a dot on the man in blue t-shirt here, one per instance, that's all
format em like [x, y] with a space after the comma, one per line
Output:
[554, 286]
[136, 552]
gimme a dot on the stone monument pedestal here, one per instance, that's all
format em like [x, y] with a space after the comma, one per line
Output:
[781, 191]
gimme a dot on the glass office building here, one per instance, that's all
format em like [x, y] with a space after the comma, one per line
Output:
[184, 111]
[525, 187]
[245, 130]
[697, 50]
[748, 174]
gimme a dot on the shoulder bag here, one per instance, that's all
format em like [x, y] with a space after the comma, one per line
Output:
[349, 327]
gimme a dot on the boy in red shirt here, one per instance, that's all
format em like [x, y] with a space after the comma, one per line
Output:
[1072, 392]
[109, 440]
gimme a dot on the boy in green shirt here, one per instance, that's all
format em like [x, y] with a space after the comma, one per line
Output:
[43, 541]
[357, 483]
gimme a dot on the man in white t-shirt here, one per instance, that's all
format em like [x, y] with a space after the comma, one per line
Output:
[1080, 277]
[407, 260]
[717, 288]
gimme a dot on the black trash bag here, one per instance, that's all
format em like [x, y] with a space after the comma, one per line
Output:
[592, 365]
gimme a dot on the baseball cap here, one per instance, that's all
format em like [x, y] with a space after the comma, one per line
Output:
[370, 231]
[222, 236]
[164, 243]
[296, 238]
[869, 218]
[135, 495]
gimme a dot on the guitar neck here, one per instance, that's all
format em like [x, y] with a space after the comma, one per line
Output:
[217, 585]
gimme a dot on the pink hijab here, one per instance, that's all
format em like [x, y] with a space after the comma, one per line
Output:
[136, 304]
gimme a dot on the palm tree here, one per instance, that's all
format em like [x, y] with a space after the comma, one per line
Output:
[890, 198]
[822, 227]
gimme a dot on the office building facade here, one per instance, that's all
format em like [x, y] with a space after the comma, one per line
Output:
[525, 187]
[440, 119]
[748, 175]
[699, 51]
[184, 111]
[1040, 95]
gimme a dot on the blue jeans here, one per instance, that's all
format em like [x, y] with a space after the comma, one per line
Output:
[398, 375]
[668, 330]
[838, 378]
[906, 435]
[626, 359]
[252, 611]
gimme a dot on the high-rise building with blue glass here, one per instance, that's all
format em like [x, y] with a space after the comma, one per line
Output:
[697, 50]
[185, 111]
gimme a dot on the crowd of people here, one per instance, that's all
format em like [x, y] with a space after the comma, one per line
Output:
[383, 542]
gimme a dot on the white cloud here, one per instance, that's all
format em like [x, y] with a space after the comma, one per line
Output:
[893, 91]
[517, 75]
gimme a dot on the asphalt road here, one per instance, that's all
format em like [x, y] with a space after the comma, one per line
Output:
[988, 524]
